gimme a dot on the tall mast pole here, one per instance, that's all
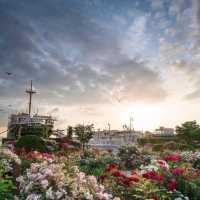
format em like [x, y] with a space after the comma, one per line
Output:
[30, 92]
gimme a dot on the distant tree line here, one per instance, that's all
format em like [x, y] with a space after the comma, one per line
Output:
[189, 130]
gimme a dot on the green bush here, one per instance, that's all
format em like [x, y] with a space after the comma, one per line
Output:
[92, 166]
[177, 146]
[157, 147]
[31, 143]
[7, 189]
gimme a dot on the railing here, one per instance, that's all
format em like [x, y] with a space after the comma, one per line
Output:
[3, 132]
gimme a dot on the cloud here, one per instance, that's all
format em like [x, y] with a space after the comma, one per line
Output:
[64, 49]
[157, 4]
[75, 56]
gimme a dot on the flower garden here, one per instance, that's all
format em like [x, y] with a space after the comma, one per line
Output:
[66, 172]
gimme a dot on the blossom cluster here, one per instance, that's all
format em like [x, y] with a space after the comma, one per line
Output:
[119, 177]
[9, 155]
[92, 190]
[190, 156]
[36, 156]
[44, 180]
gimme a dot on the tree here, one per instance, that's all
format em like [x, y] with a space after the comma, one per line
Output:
[70, 132]
[84, 134]
[189, 130]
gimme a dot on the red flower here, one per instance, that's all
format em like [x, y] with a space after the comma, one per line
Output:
[197, 173]
[172, 158]
[153, 176]
[125, 181]
[118, 174]
[110, 167]
[155, 197]
[171, 185]
[102, 177]
[133, 178]
[177, 171]
[110, 150]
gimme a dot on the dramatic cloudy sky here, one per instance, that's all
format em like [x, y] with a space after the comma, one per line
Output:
[102, 61]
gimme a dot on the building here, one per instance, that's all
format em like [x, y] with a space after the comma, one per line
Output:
[164, 132]
[114, 138]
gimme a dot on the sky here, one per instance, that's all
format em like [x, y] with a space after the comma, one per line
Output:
[102, 61]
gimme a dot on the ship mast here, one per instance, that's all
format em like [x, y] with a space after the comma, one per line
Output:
[30, 92]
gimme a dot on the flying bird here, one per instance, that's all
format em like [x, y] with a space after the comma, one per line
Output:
[8, 73]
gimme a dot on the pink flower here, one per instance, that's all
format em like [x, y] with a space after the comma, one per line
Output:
[48, 172]
[163, 164]
[103, 196]
[92, 180]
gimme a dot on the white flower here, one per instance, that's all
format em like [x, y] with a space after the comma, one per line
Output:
[33, 197]
[149, 168]
[104, 196]
[20, 179]
[88, 196]
[59, 194]
[50, 194]
[28, 187]
[44, 183]
[34, 167]
[8, 154]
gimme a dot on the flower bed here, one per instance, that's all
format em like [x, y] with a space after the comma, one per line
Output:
[99, 175]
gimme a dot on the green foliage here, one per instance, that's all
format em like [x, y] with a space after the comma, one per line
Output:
[157, 147]
[189, 130]
[6, 189]
[95, 165]
[189, 188]
[31, 143]
[196, 164]
[92, 166]
[84, 134]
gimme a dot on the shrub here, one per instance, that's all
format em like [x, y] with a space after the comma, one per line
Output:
[31, 143]
[157, 147]
[130, 156]
[7, 189]
[91, 166]
[177, 146]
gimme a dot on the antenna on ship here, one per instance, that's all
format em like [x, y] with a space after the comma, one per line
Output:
[30, 92]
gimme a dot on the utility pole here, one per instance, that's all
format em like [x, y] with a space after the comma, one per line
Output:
[109, 128]
[131, 121]
[30, 92]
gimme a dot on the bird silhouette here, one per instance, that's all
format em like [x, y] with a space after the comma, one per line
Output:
[8, 73]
